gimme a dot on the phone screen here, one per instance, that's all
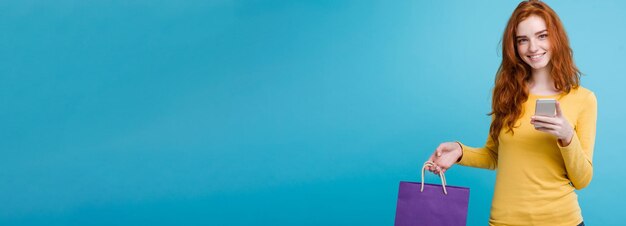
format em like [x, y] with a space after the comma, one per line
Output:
[545, 107]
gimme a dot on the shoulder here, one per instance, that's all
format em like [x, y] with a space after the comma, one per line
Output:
[582, 93]
[583, 97]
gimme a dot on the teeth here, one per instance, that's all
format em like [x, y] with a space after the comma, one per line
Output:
[536, 56]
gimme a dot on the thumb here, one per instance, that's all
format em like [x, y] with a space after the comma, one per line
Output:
[438, 151]
[559, 113]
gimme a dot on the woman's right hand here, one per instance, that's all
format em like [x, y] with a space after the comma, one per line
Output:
[445, 156]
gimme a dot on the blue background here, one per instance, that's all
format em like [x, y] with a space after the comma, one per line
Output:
[266, 112]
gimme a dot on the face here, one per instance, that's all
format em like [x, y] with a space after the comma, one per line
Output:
[532, 42]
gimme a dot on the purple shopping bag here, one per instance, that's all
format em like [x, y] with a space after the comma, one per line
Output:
[431, 204]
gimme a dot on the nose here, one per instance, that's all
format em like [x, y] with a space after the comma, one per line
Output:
[532, 47]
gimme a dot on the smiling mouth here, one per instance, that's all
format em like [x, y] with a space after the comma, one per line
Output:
[536, 57]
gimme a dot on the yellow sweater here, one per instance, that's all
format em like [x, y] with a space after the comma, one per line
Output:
[535, 176]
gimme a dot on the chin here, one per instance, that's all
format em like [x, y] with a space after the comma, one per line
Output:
[539, 66]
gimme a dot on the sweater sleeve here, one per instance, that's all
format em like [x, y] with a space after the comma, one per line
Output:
[578, 155]
[484, 157]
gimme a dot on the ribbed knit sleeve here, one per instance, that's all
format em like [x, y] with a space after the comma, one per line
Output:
[484, 157]
[578, 155]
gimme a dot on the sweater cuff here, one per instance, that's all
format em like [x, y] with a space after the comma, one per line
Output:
[463, 160]
[573, 145]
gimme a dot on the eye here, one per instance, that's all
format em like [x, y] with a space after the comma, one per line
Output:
[543, 36]
[522, 41]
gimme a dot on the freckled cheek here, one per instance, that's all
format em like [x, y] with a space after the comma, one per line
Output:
[522, 50]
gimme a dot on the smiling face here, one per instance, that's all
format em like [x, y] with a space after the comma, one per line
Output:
[532, 42]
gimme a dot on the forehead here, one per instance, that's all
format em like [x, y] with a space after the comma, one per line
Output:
[531, 25]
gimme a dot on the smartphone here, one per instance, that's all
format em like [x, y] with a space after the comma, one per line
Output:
[545, 107]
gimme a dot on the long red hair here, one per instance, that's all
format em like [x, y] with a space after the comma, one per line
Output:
[510, 90]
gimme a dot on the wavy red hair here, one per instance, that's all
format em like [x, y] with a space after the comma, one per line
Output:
[511, 90]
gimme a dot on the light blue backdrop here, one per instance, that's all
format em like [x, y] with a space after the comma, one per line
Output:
[266, 112]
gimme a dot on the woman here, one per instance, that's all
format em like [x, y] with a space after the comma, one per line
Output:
[539, 160]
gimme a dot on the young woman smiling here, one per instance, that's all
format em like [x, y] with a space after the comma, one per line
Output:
[539, 160]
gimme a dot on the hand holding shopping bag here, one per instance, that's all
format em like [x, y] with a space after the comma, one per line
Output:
[431, 204]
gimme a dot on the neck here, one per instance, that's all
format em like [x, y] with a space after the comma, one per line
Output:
[541, 82]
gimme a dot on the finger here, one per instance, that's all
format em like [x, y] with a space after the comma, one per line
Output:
[558, 110]
[435, 169]
[439, 150]
[547, 130]
[544, 119]
[546, 125]
[431, 159]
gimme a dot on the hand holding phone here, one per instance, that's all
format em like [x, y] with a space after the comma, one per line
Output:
[549, 116]
[545, 107]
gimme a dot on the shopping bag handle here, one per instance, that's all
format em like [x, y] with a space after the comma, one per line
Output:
[443, 177]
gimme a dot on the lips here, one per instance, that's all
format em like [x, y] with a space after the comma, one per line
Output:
[536, 57]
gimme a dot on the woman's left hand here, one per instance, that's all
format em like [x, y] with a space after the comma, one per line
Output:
[557, 126]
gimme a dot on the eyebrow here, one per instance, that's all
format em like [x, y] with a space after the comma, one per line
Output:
[536, 33]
